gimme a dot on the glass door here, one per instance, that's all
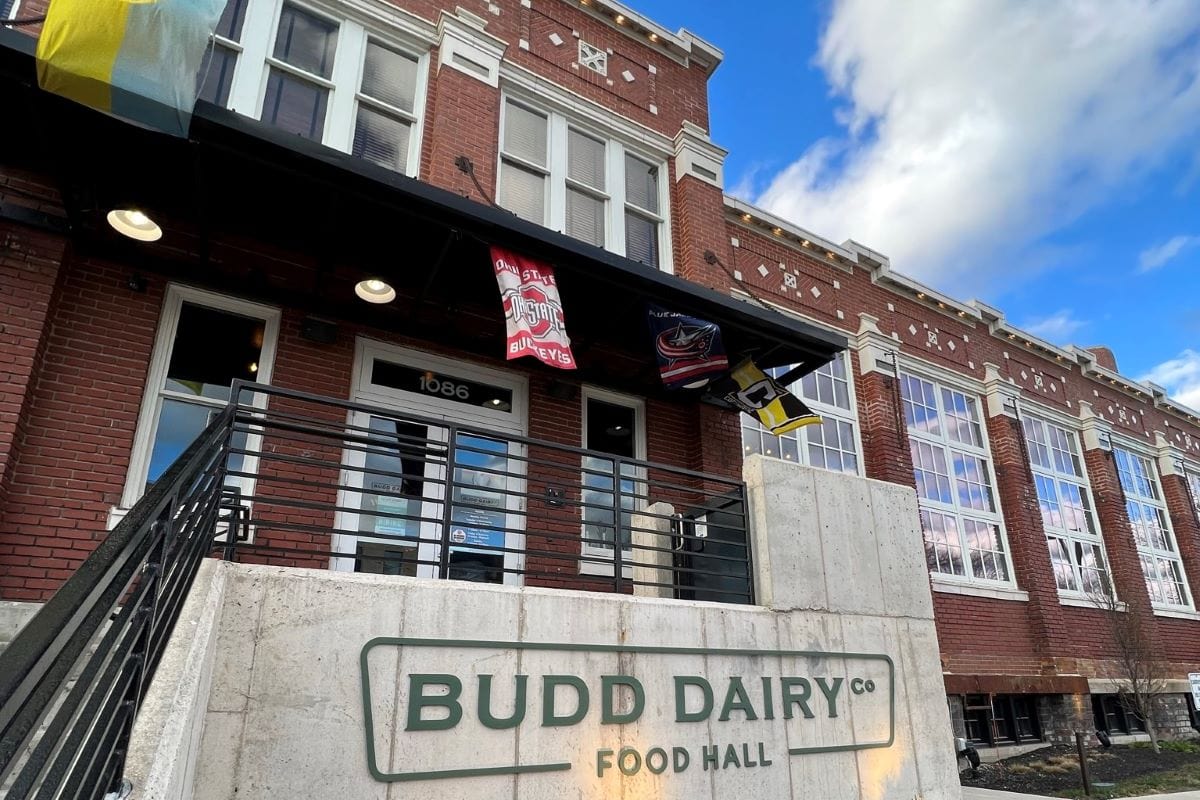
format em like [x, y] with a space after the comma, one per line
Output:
[483, 527]
[390, 522]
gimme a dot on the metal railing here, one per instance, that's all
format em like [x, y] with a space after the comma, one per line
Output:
[289, 478]
[331, 483]
[73, 678]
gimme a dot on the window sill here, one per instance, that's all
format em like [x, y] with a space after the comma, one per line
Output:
[602, 570]
[974, 590]
[1087, 602]
[1176, 613]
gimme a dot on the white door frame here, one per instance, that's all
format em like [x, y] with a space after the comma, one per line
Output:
[513, 422]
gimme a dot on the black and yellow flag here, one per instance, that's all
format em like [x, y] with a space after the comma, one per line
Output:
[756, 393]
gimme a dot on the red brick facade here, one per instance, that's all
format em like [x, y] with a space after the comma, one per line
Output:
[76, 341]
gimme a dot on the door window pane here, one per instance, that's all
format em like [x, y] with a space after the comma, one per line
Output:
[389, 76]
[179, 423]
[611, 429]
[478, 514]
[394, 478]
[295, 105]
[213, 348]
[381, 138]
[306, 41]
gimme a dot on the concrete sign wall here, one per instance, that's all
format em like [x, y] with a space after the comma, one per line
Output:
[321, 684]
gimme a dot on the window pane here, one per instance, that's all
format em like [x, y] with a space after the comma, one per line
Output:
[641, 239]
[295, 105]
[306, 41]
[389, 76]
[382, 139]
[211, 349]
[585, 217]
[525, 135]
[610, 428]
[585, 159]
[641, 184]
[523, 192]
[179, 424]
[232, 18]
[216, 74]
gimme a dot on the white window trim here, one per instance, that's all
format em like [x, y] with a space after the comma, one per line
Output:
[947, 584]
[559, 121]
[12, 12]
[160, 359]
[849, 415]
[639, 449]
[1071, 426]
[933, 374]
[248, 86]
[1136, 448]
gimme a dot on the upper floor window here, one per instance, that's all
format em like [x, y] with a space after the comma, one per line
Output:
[558, 174]
[323, 78]
[1152, 531]
[833, 444]
[1072, 533]
[7, 7]
[960, 515]
[1193, 482]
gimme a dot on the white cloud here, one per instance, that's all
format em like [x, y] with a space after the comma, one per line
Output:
[1180, 376]
[1059, 327]
[970, 129]
[1155, 257]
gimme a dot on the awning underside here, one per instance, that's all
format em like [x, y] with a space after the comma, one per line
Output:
[286, 219]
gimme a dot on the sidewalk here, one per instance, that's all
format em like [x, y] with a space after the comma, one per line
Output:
[970, 793]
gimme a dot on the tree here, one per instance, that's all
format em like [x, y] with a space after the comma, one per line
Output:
[1142, 673]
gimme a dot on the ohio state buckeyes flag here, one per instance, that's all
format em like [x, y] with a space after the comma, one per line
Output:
[532, 309]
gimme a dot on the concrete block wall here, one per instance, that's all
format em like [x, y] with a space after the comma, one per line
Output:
[277, 676]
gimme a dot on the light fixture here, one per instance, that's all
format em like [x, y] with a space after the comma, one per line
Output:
[777, 231]
[253, 366]
[617, 430]
[654, 37]
[620, 19]
[134, 223]
[374, 290]
[962, 313]
[746, 218]
[920, 295]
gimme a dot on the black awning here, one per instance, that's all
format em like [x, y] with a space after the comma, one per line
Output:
[333, 218]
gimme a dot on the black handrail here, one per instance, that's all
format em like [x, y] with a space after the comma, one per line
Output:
[72, 679]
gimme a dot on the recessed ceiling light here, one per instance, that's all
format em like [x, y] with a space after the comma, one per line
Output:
[373, 290]
[134, 223]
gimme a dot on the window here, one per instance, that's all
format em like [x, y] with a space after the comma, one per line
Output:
[612, 425]
[216, 71]
[1110, 715]
[1151, 530]
[833, 444]
[7, 8]
[1193, 485]
[1072, 532]
[205, 342]
[1001, 719]
[321, 77]
[960, 516]
[555, 173]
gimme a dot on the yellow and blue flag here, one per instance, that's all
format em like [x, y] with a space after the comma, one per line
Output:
[134, 59]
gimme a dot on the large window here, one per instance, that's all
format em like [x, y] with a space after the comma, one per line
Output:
[1065, 501]
[833, 444]
[319, 76]
[960, 515]
[612, 426]
[205, 342]
[1152, 529]
[571, 179]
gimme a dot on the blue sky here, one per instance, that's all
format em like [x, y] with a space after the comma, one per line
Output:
[1041, 156]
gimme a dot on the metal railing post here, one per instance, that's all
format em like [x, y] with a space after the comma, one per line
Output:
[447, 498]
[618, 556]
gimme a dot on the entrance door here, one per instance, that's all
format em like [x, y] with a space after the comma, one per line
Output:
[437, 433]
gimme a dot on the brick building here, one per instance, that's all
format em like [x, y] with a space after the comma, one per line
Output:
[357, 141]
